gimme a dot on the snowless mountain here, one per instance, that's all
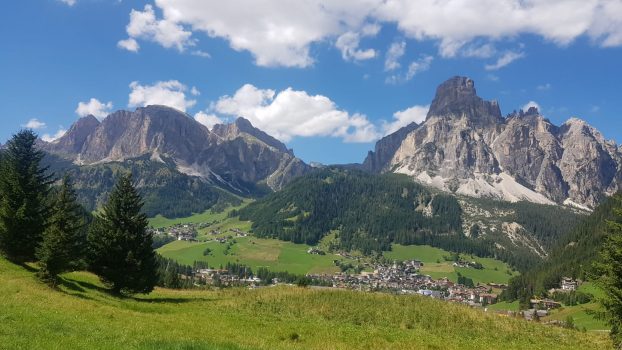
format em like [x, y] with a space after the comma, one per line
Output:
[465, 146]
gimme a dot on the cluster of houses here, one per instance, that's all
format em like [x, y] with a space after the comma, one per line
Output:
[237, 232]
[181, 232]
[405, 278]
[222, 277]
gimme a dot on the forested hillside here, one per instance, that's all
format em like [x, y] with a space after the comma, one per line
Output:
[572, 256]
[370, 212]
[165, 190]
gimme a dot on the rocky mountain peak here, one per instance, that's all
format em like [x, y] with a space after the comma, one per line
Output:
[243, 126]
[466, 147]
[237, 155]
[73, 140]
[457, 97]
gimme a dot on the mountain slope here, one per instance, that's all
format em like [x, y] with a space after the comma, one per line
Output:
[573, 254]
[466, 147]
[369, 212]
[238, 155]
[165, 190]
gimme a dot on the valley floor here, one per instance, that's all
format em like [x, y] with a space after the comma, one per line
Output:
[81, 314]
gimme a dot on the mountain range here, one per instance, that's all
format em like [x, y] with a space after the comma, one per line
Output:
[465, 146]
[236, 156]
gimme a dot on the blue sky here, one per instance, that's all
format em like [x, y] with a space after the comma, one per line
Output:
[318, 75]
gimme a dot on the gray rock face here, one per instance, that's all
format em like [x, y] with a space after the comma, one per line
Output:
[235, 154]
[76, 135]
[378, 159]
[466, 147]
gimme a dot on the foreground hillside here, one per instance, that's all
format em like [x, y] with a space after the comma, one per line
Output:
[82, 315]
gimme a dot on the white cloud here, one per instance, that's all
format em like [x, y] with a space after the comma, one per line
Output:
[209, 120]
[281, 33]
[415, 114]
[129, 44]
[68, 2]
[560, 22]
[420, 65]
[95, 107]
[276, 33]
[544, 87]
[479, 51]
[170, 93]
[348, 44]
[144, 25]
[504, 60]
[57, 135]
[530, 104]
[291, 113]
[34, 124]
[201, 53]
[415, 67]
[395, 52]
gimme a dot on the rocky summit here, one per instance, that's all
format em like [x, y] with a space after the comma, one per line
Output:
[465, 146]
[236, 155]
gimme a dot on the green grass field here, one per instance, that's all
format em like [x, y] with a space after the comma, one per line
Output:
[207, 216]
[254, 252]
[582, 315]
[82, 315]
[434, 265]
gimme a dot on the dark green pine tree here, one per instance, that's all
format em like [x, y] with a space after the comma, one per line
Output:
[24, 187]
[120, 245]
[609, 274]
[63, 245]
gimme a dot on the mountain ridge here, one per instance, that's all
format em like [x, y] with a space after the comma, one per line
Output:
[237, 154]
[466, 147]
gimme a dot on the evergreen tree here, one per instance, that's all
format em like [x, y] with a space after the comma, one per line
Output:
[120, 245]
[609, 271]
[24, 187]
[63, 241]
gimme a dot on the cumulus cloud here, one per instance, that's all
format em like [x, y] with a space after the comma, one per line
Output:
[504, 60]
[209, 120]
[56, 136]
[145, 26]
[291, 113]
[415, 114]
[170, 93]
[544, 87]
[68, 2]
[281, 33]
[98, 109]
[34, 124]
[393, 55]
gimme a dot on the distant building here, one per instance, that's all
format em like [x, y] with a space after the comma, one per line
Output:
[568, 284]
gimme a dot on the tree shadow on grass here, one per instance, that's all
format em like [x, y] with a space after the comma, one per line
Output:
[166, 300]
[82, 287]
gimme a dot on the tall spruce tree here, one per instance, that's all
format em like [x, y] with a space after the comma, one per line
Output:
[63, 245]
[24, 187]
[120, 245]
[609, 274]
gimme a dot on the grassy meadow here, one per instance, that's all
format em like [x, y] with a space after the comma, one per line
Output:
[582, 315]
[81, 314]
[255, 252]
[434, 264]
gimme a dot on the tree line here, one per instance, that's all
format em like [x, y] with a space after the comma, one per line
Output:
[43, 223]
